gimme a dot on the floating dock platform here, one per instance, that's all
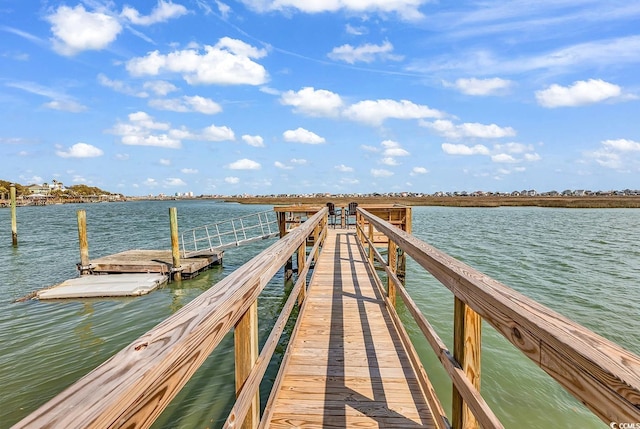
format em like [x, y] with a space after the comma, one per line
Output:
[130, 273]
[104, 286]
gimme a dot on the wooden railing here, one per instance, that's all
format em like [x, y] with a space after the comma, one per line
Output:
[133, 387]
[599, 373]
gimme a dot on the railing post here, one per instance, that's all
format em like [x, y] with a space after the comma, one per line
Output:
[392, 261]
[246, 353]
[14, 222]
[302, 256]
[370, 242]
[83, 242]
[175, 245]
[467, 347]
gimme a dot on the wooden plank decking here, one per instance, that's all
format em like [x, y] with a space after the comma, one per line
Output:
[346, 365]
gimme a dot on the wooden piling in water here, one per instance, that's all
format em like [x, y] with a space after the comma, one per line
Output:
[83, 241]
[175, 244]
[14, 222]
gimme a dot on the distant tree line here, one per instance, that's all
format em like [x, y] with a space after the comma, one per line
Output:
[70, 191]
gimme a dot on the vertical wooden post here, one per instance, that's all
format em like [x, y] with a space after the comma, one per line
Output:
[175, 243]
[14, 222]
[316, 237]
[392, 261]
[246, 354]
[467, 347]
[371, 242]
[402, 259]
[83, 241]
[302, 256]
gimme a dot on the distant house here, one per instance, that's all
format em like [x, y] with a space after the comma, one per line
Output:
[39, 189]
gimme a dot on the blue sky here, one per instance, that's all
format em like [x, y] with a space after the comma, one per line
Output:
[300, 96]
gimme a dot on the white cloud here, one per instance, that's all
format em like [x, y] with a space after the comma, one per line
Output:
[229, 62]
[343, 168]
[244, 164]
[532, 157]
[187, 104]
[300, 135]
[120, 86]
[217, 134]
[406, 9]
[282, 166]
[173, 182]
[80, 150]
[389, 161]
[617, 154]
[513, 147]
[164, 161]
[151, 182]
[622, 145]
[375, 112]
[503, 158]
[255, 141]
[381, 172]
[298, 161]
[76, 30]
[163, 12]
[368, 148]
[392, 148]
[232, 180]
[189, 171]
[355, 31]
[450, 130]
[474, 86]
[418, 170]
[140, 131]
[579, 94]
[66, 106]
[313, 102]
[160, 87]
[461, 149]
[366, 53]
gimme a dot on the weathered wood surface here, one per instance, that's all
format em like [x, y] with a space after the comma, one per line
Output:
[601, 374]
[150, 261]
[346, 365]
[133, 387]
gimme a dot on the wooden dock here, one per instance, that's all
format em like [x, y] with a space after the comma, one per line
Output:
[152, 261]
[347, 365]
[349, 362]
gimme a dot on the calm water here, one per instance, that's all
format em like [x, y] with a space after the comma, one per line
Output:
[581, 263]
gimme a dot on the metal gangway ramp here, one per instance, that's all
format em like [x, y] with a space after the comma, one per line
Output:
[347, 364]
[212, 238]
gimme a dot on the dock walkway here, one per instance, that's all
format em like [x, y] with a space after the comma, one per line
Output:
[347, 366]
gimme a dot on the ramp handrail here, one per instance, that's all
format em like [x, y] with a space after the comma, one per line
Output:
[133, 387]
[599, 373]
[229, 233]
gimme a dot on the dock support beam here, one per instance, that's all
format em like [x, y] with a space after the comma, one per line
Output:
[246, 354]
[467, 344]
[14, 223]
[83, 241]
[175, 243]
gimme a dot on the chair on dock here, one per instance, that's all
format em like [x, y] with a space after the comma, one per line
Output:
[351, 212]
[333, 214]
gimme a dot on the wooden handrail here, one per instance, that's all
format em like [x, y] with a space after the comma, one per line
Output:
[599, 373]
[133, 387]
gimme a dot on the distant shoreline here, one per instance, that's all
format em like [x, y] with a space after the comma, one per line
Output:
[594, 202]
[488, 201]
